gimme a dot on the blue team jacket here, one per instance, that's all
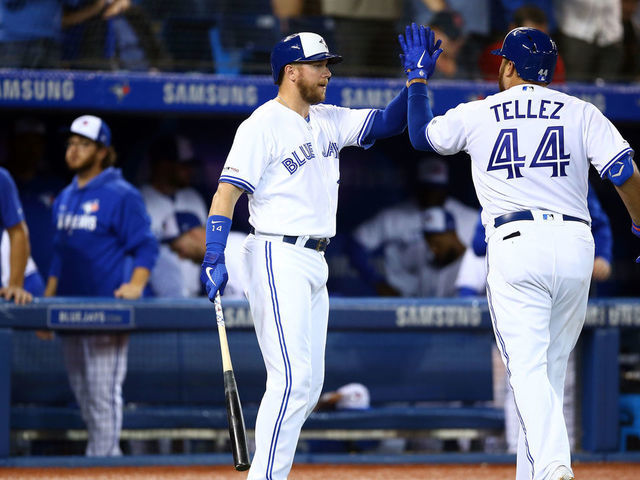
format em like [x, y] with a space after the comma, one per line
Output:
[103, 231]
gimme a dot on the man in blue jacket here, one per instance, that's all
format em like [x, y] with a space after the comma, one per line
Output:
[12, 219]
[103, 246]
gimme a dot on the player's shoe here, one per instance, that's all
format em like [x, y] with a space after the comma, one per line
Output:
[562, 473]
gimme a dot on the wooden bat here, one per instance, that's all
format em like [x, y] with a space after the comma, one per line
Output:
[237, 431]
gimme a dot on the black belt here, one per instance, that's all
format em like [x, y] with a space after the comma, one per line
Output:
[528, 215]
[318, 244]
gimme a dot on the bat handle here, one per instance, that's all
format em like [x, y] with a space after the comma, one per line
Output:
[222, 333]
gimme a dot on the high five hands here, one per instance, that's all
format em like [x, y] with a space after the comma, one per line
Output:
[420, 51]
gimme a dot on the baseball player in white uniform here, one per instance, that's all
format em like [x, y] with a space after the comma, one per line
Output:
[398, 233]
[286, 157]
[531, 148]
[178, 214]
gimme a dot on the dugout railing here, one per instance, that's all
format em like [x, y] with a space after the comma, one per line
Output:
[427, 364]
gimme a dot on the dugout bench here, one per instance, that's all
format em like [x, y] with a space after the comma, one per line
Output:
[415, 356]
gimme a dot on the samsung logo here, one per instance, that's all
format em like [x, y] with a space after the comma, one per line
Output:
[209, 94]
[36, 90]
[438, 316]
[367, 97]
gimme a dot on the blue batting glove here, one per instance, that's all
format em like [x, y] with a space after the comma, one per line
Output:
[214, 274]
[419, 51]
[635, 229]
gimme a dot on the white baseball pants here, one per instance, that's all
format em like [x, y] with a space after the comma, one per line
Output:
[538, 283]
[290, 308]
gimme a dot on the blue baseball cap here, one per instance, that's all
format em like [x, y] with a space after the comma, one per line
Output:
[299, 48]
[93, 128]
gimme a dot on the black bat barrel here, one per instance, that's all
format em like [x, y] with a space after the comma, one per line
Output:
[237, 432]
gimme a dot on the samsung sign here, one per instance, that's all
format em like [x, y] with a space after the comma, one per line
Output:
[39, 90]
[192, 93]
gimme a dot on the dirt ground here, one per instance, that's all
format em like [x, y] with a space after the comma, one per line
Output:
[585, 471]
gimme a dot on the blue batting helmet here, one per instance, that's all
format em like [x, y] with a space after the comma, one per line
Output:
[533, 53]
[300, 47]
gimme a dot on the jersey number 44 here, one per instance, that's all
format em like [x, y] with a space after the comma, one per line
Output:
[549, 154]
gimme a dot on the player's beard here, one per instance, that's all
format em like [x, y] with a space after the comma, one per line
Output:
[311, 93]
[86, 165]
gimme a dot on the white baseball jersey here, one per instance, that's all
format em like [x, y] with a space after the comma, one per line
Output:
[530, 148]
[172, 216]
[292, 174]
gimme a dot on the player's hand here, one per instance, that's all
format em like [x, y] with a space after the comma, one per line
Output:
[635, 229]
[214, 274]
[115, 7]
[601, 269]
[419, 51]
[19, 295]
[129, 291]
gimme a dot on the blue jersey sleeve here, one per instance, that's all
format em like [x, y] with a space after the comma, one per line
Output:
[390, 121]
[10, 207]
[419, 115]
[600, 227]
[135, 231]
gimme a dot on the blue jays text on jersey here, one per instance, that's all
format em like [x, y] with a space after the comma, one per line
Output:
[304, 153]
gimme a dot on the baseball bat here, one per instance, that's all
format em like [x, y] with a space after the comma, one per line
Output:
[237, 431]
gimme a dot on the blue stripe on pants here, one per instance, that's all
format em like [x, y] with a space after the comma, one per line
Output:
[285, 358]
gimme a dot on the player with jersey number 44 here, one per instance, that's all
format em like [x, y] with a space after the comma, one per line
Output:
[531, 148]
[285, 156]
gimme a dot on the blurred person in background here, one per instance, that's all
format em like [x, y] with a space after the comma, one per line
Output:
[12, 219]
[503, 11]
[113, 36]
[447, 26]
[525, 16]
[38, 185]
[590, 38]
[31, 31]
[630, 70]
[362, 32]
[103, 247]
[396, 234]
[439, 229]
[475, 23]
[178, 215]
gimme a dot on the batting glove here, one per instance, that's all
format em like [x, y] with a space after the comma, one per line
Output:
[419, 51]
[214, 274]
[635, 229]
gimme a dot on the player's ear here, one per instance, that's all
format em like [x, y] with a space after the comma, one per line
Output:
[290, 72]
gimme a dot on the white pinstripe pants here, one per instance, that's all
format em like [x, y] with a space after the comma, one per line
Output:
[96, 367]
